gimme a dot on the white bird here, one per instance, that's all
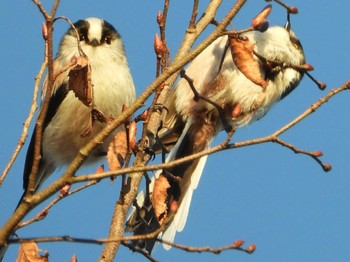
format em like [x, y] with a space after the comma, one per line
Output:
[67, 117]
[194, 123]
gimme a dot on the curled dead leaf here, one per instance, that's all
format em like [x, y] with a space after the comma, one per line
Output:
[29, 252]
[242, 51]
[80, 80]
[117, 151]
[159, 199]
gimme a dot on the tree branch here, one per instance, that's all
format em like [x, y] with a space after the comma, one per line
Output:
[27, 122]
[223, 146]
[126, 199]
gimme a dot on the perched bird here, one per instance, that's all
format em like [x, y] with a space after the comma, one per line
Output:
[193, 123]
[68, 119]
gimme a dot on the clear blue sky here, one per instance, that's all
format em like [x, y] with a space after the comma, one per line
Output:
[282, 202]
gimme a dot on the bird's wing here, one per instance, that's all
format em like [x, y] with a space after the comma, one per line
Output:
[57, 96]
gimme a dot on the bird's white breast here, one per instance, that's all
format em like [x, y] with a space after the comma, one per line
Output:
[112, 87]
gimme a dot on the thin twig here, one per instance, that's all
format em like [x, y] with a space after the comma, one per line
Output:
[26, 124]
[290, 9]
[141, 158]
[126, 239]
[194, 15]
[77, 36]
[41, 9]
[208, 249]
[315, 154]
[139, 250]
[270, 138]
[43, 213]
[48, 90]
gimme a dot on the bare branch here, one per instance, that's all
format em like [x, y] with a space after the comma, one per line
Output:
[223, 146]
[43, 213]
[194, 15]
[26, 124]
[237, 245]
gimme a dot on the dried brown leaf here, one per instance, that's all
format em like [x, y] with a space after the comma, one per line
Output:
[117, 151]
[242, 51]
[80, 80]
[29, 252]
[159, 199]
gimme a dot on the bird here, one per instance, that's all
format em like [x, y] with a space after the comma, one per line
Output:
[67, 124]
[190, 125]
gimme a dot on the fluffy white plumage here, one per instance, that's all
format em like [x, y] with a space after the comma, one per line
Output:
[67, 117]
[220, 81]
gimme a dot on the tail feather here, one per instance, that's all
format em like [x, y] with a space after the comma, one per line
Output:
[195, 138]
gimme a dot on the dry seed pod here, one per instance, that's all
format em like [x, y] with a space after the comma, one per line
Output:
[243, 56]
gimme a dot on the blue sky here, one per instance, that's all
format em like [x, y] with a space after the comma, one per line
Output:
[267, 195]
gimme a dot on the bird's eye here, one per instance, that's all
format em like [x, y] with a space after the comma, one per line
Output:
[81, 37]
[108, 40]
[296, 46]
[296, 43]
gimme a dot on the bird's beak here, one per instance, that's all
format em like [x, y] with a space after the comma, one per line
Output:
[94, 42]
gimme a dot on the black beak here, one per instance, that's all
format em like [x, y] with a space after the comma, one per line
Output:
[94, 42]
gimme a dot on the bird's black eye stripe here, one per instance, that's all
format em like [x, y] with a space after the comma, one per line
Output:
[109, 33]
[107, 39]
[82, 28]
[296, 43]
[83, 34]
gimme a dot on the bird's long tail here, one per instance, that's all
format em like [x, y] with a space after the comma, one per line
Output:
[196, 137]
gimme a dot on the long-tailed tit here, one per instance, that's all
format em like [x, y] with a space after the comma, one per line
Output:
[67, 117]
[194, 123]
